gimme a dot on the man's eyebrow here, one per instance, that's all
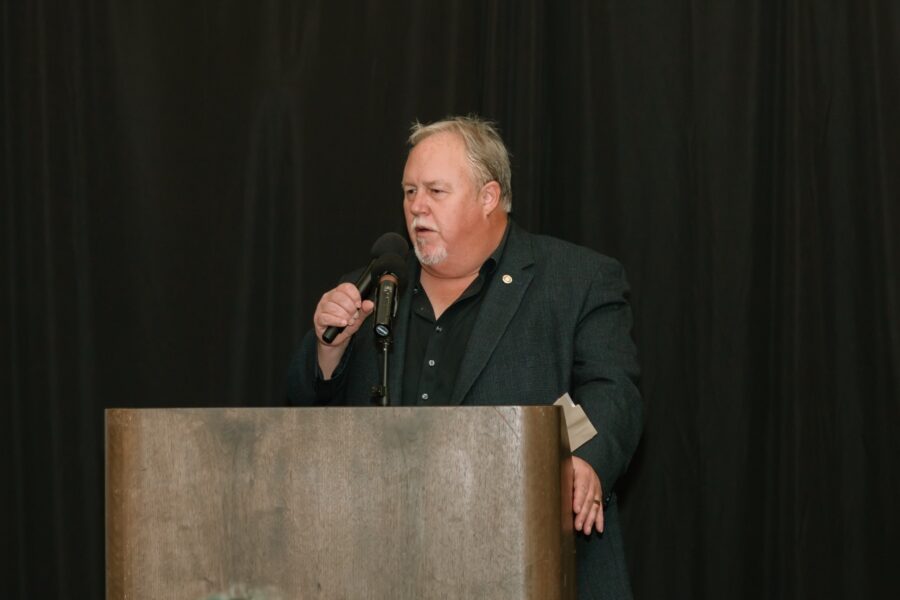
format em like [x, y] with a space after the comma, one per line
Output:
[437, 182]
[433, 183]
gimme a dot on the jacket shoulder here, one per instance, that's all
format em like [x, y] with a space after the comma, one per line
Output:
[568, 259]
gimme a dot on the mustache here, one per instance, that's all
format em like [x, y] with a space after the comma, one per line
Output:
[416, 223]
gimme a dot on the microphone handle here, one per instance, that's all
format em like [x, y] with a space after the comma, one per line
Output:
[386, 305]
[363, 283]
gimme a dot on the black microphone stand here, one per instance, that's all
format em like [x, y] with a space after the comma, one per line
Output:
[380, 392]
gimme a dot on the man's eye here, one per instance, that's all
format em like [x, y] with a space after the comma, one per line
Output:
[437, 191]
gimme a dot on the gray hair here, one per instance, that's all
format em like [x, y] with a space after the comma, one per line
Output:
[485, 150]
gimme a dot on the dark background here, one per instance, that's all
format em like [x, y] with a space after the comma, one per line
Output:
[180, 181]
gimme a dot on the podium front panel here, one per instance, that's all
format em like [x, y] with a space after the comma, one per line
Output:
[399, 502]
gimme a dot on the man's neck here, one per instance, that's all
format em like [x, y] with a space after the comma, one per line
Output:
[444, 286]
[450, 269]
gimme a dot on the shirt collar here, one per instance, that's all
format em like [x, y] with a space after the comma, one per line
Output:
[494, 259]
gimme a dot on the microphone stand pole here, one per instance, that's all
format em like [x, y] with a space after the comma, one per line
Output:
[385, 310]
[380, 392]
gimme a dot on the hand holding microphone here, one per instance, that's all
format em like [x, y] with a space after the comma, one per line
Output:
[340, 313]
[342, 310]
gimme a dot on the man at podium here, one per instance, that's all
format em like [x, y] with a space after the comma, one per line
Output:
[493, 314]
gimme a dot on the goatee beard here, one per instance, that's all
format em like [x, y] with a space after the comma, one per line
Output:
[435, 257]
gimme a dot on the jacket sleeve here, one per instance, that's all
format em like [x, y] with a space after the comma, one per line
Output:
[605, 375]
[305, 384]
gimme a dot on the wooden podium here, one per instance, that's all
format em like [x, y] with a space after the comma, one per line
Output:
[334, 503]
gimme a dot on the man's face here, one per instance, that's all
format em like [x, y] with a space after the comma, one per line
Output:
[440, 201]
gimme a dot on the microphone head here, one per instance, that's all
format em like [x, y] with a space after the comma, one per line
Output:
[390, 243]
[393, 264]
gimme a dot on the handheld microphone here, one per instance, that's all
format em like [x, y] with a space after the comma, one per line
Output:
[392, 276]
[388, 244]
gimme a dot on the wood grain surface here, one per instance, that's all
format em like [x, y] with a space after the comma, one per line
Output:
[285, 503]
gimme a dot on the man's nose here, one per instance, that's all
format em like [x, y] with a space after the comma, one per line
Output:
[418, 204]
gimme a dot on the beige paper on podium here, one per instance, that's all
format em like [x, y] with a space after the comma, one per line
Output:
[578, 425]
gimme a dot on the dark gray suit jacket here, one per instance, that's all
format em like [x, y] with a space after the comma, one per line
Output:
[562, 324]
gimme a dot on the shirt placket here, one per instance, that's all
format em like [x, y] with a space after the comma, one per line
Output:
[433, 351]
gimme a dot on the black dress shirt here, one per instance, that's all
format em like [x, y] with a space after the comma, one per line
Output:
[435, 347]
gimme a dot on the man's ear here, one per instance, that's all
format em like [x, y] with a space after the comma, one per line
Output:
[489, 197]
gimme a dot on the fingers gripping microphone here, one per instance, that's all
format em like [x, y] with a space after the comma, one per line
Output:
[392, 270]
[388, 244]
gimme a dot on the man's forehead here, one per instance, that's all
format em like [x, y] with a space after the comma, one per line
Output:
[440, 160]
[435, 169]
[445, 144]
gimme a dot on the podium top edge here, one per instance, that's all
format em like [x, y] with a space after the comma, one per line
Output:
[540, 407]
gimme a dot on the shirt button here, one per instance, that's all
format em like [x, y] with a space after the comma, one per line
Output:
[424, 396]
[439, 329]
[430, 363]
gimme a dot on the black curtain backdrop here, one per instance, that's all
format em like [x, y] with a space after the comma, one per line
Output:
[179, 183]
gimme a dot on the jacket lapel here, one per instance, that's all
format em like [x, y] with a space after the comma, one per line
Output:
[497, 309]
